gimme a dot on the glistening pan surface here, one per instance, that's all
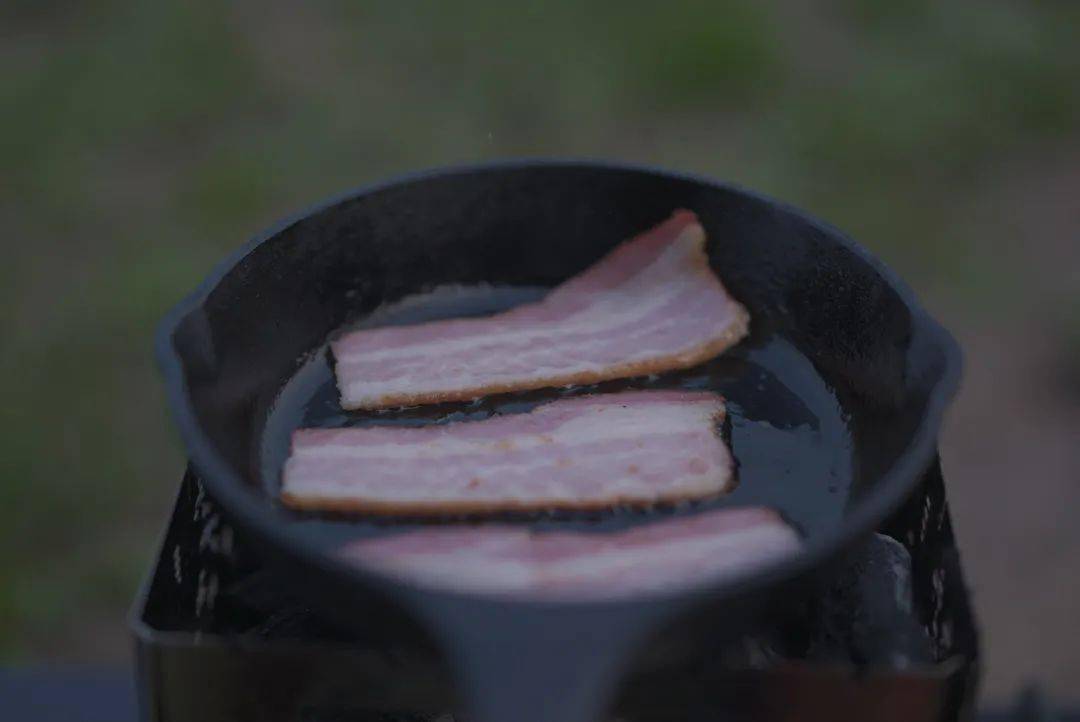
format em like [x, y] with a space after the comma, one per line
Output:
[784, 425]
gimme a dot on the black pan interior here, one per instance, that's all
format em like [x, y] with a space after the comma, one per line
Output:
[825, 395]
[784, 424]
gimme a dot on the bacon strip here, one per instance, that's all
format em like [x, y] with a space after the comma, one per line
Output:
[499, 559]
[652, 304]
[589, 452]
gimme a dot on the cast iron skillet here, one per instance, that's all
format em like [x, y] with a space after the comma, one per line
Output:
[229, 349]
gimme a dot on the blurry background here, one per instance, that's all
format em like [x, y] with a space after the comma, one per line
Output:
[139, 142]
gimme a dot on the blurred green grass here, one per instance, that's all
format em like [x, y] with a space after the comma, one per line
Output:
[142, 141]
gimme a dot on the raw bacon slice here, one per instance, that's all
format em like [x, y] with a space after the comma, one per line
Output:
[588, 452]
[499, 559]
[651, 305]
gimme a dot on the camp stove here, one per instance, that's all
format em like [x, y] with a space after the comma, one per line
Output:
[889, 636]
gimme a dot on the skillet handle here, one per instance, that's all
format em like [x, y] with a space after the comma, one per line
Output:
[540, 664]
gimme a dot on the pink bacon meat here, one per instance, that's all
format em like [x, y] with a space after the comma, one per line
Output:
[588, 452]
[507, 560]
[652, 304]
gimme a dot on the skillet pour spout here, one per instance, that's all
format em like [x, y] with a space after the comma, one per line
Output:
[826, 316]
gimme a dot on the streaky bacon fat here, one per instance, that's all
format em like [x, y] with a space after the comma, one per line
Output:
[650, 305]
[507, 560]
[586, 452]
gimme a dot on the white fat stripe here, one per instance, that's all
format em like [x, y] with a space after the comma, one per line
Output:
[614, 423]
[364, 390]
[670, 552]
[538, 483]
[583, 323]
[618, 488]
[606, 309]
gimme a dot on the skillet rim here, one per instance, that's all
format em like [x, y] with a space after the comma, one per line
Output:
[257, 518]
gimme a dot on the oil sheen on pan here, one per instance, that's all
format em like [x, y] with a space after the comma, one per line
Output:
[784, 425]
